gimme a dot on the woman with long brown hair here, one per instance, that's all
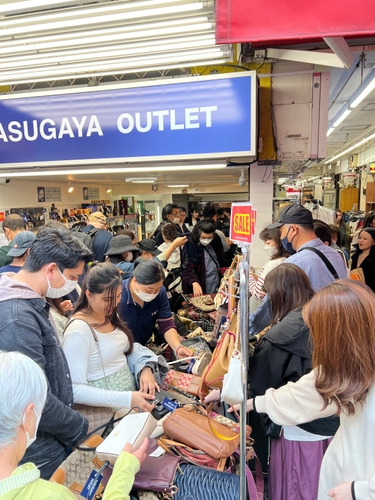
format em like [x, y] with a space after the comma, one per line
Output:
[284, 355]
[107, 367]
[341, 318]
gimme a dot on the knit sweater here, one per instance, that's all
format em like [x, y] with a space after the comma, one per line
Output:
[351, 455]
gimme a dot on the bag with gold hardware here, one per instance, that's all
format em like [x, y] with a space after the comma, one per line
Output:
[213, 375]
[196, 429]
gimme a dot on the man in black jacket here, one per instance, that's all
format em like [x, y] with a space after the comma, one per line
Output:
[170, 213]
[55, 262]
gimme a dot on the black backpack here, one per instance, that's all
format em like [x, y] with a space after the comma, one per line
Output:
[87, 238]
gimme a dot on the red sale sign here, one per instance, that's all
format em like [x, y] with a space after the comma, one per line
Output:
[242, 223]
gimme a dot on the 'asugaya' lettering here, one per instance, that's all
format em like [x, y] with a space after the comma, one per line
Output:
[47, 129]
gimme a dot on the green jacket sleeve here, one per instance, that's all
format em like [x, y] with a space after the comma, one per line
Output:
[122, 479]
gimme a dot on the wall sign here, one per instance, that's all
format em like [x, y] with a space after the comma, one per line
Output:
[41, 194]
[53, 194]
[93, 193]
[202, 117]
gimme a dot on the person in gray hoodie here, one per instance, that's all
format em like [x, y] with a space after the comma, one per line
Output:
[55, 262]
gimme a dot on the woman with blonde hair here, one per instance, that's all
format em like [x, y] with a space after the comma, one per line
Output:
[341, 319]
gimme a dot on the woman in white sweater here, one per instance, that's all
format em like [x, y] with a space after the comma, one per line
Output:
[341, 318]
[107, 368]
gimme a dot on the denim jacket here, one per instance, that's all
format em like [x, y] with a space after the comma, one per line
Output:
[25, 326]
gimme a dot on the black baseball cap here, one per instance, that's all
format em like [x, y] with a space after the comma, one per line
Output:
[149, 245]
[293, 214]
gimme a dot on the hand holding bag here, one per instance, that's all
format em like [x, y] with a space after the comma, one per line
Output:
[133, 429]
[195, 429]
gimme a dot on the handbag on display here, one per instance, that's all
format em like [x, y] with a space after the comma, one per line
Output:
[214, 373]
[357, 274]
[158, 472]
[75, 470]
[133, 429]
[232, 392]
[203, 303]
[228, 288]
[197, 483]
[198, 345]
[195, 429]
[186, 382]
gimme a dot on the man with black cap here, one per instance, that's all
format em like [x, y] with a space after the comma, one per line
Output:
[321, 263]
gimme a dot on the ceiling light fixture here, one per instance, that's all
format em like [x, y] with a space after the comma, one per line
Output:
[357, 145]
[70, 188]
[330, 130]
[141, 180]
[109, 190]
[367, 87]
[110, 170]
[178, 185]
[341, 118]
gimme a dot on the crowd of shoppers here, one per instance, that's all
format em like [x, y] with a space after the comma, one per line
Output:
[92, 350]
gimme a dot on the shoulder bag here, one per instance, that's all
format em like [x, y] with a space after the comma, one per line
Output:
[213, 375]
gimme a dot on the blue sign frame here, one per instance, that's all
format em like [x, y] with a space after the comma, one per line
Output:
[193, 118]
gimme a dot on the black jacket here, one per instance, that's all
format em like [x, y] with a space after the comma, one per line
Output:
[368, 267]
[284, 355]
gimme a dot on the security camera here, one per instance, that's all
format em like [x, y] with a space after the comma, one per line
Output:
[155, 187]
[242, 180]
[4, 181]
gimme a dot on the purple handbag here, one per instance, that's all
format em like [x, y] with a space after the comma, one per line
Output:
[157, 473]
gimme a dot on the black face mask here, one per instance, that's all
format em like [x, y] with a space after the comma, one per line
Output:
[288, 244]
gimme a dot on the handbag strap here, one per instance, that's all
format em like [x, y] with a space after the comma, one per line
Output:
[330, 267]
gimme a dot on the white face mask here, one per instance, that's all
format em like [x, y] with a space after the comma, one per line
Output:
[146, 297]
[270, 250]
[205, 241]
[56, 293]
[29, 439]
[129, 257]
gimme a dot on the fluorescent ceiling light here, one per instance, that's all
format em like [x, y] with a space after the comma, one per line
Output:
[101, 36]
[341, 118]
[118, 64]
[110, 170]
[281, 180]
[86, 17]
[369, 87]
[31, 4]
[178, 185]
[357, 145]
[330, 130]
[148, 47]
[69, 76]
[141, 180]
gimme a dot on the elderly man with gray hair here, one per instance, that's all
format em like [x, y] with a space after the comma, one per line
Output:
[23, 389]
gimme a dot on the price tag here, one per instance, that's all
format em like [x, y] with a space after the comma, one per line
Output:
[169, 405]
[91, 485]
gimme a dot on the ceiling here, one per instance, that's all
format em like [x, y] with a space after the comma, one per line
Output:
[23, 25]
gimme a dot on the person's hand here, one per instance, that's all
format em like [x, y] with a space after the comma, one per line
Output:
[249, 406]
[183, 352]
[342, 491]
[141, 453]
[197, 289]
[255, 276]
[147, 382]
[139, 399]
[212, 396]
[179, 242]
[66, 305]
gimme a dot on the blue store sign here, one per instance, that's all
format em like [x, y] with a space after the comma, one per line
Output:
[189, 118]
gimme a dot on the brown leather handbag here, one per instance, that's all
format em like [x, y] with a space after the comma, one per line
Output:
[213, 375]
[201, 432]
